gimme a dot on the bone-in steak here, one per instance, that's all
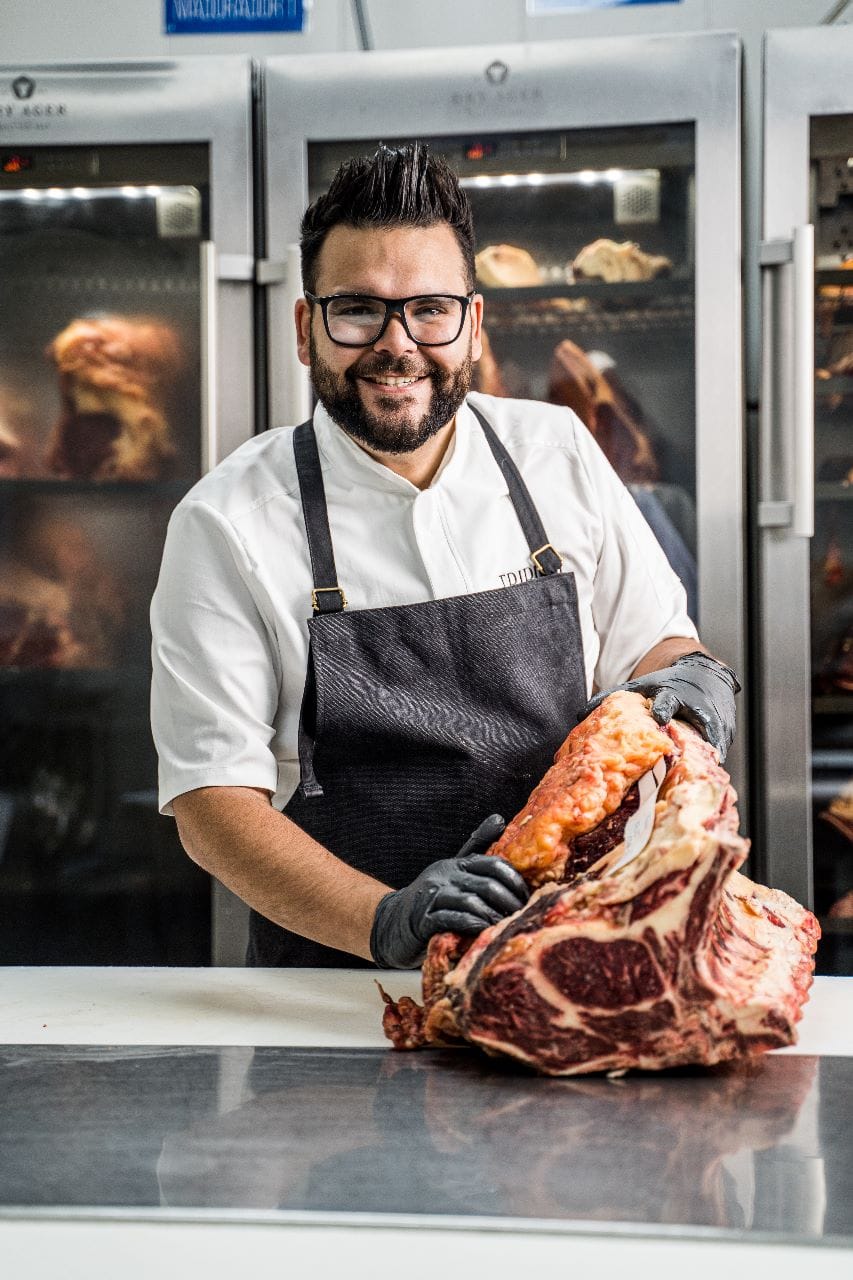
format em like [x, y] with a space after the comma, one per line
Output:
[674, 958]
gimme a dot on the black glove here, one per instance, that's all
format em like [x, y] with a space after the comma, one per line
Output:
[464, 894]
[696, 688]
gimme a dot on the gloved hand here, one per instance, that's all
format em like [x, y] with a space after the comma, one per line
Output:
[696, 688]
[464, 894]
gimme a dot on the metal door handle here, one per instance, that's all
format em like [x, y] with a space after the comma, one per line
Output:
[289, 379]
[803, 303]
[208, 336]
[798, 253]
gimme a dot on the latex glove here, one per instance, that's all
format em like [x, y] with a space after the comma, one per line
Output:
[696, 688]
[464, 894]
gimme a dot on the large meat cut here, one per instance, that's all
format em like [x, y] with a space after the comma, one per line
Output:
[673, 958]
[113, 375]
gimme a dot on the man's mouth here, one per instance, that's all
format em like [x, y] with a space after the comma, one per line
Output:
[388, 380]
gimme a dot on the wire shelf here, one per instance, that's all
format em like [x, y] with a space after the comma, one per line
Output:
[590, 320]
[88, 285]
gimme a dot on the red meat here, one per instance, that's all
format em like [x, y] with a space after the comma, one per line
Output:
[675, 958]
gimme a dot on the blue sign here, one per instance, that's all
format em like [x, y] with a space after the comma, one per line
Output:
[575, 6]
[232, 17]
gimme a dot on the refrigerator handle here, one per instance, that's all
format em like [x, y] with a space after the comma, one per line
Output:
[790, 379]
[803, 304]
[291, 386]
[208, 334]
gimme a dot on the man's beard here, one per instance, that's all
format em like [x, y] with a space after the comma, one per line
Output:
[392, 432]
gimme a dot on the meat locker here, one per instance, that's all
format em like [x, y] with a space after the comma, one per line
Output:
[605, 181]
[126, 254]
[805, 481]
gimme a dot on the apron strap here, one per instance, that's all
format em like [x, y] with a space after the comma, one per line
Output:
[544, 556]
[327, 596]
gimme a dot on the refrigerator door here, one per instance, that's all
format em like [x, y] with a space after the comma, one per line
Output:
[805, 474]
[124, 197]
[604, 176]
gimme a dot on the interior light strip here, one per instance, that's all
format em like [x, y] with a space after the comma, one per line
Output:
[583, 178]
[96, 193]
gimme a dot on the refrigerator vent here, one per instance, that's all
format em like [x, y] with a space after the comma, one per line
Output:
[636, 198]
[179, 214]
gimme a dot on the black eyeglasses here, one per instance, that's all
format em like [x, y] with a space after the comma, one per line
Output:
[359, 319]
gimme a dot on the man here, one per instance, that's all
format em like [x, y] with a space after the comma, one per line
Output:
[473, 566]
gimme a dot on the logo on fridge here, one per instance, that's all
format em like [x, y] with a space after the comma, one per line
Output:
[24, 113]
[482, 101]
[497, 72]
[23, 87]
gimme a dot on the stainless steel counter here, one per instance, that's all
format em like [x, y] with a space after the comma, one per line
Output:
[329, 1131]
[763, 1148]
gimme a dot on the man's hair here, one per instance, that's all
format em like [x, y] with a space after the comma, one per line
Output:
[396, 186]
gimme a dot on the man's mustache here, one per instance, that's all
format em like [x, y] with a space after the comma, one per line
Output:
[388, 366]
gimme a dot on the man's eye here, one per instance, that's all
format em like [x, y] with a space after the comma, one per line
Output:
[354, 310]
[432, 307]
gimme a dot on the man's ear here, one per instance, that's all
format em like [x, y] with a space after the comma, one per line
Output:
[302, 317]
[476, 310]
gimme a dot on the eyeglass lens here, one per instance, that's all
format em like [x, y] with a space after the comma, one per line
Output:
[360, 320]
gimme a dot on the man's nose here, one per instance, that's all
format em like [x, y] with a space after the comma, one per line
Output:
[395, 339]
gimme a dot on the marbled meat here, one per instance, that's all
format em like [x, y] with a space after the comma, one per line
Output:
[674, 958]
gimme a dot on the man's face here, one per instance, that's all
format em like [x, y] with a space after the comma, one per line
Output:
[393, 395]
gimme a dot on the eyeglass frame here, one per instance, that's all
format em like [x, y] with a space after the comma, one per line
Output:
[393, 307]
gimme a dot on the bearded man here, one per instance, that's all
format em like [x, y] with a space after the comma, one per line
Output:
[372, 631]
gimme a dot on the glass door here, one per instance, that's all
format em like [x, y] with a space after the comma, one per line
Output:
[804, 605]
[605, 180]
[831, 567]
[586, 263]
[100, 369]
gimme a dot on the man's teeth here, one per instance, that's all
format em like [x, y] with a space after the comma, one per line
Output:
[393, 382]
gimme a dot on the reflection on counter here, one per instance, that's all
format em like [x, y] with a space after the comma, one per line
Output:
[759, 1148]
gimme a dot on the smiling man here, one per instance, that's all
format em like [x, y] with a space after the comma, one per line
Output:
[346, 693]
[404, 388]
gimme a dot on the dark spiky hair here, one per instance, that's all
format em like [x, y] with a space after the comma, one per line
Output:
[396, 186]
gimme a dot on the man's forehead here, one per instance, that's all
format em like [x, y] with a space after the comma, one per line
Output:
[401, 258]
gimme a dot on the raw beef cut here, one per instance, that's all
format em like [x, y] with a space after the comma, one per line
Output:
[606, 260]
[673, 958]
[113, 375]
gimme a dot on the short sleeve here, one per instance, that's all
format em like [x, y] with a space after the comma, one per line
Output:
[638, 600]
[215, 666]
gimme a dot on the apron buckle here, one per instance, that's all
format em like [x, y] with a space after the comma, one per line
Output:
[534, 556]
[315, 603]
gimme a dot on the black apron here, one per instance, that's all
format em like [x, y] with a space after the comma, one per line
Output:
[420, 720]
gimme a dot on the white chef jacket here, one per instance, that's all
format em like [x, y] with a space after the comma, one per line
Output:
[229, 615]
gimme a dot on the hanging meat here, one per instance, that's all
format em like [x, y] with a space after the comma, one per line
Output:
[10, 452]
[836, 671]
[18, 429]
[35, 620]
[839, 811]
[574, 381]
[60, 607]
[670, 959]
[487, 376]
[58, 547]
[114, 374]
[843, 908]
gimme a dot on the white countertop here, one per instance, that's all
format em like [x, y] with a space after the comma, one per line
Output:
[145, 1006]
[323, 1007]
[326, 1008]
